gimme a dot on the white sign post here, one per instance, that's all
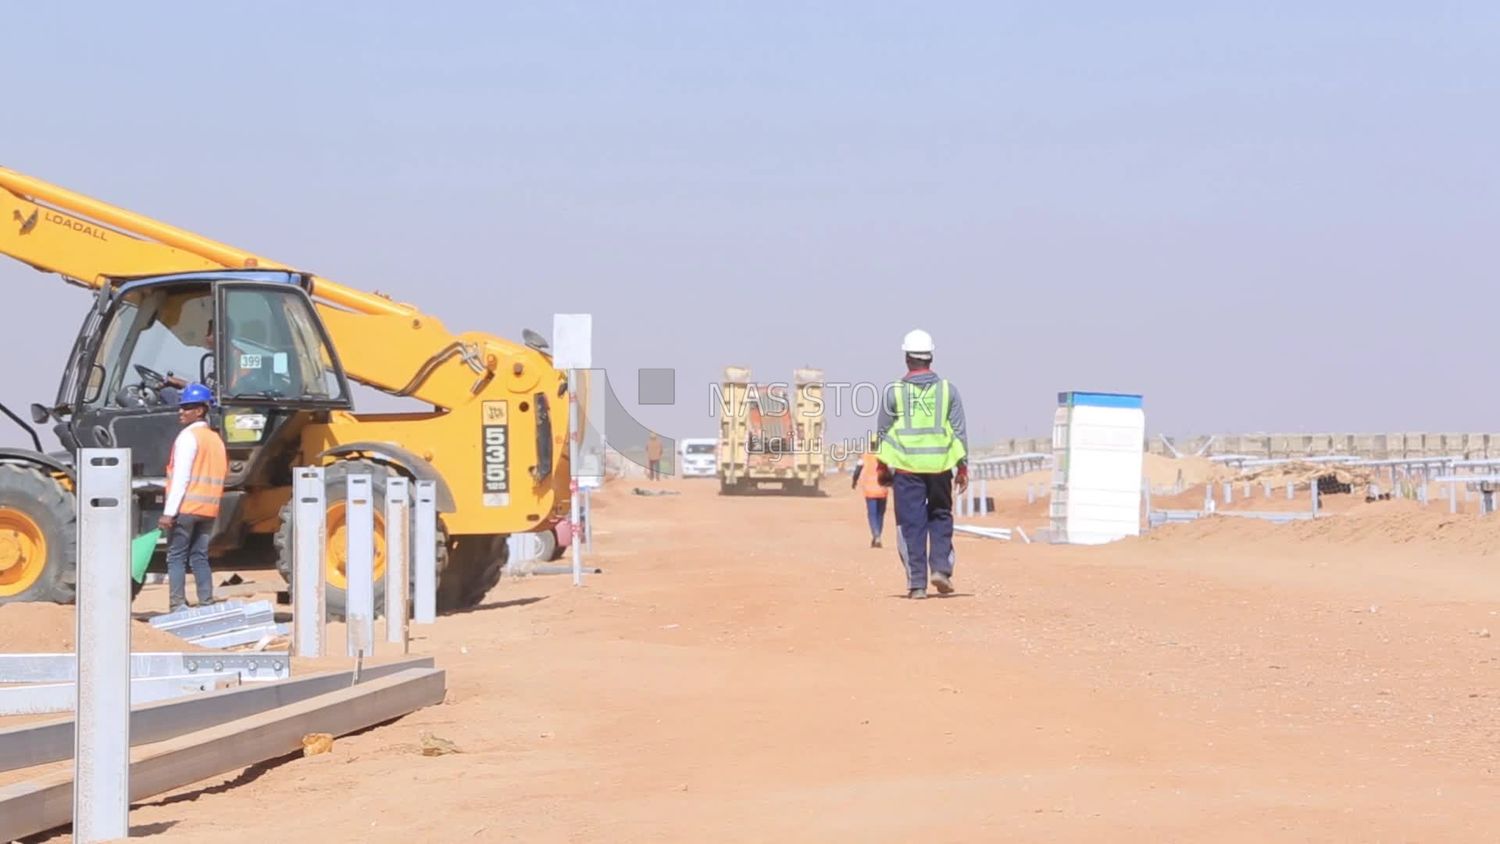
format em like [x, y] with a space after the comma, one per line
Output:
[397, 541]
[101, 762]
[359, 557]
[572, 342]
[424, 540]
[309, 545]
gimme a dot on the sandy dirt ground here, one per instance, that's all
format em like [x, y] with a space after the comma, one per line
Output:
[746, 669]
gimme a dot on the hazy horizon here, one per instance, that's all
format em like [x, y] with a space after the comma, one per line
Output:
[1273, 218]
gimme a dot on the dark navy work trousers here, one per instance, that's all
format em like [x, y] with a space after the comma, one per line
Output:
[924, 524]
[187, 545]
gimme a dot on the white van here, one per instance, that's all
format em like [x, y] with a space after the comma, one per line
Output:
[699, 457]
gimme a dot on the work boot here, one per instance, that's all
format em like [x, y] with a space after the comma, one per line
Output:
[917, 594]
[943, 583]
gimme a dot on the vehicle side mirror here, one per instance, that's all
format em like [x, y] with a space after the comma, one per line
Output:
[40, 414]
[205, 366]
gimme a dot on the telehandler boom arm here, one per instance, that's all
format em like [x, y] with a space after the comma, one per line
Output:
[395, 348]
[476, 382]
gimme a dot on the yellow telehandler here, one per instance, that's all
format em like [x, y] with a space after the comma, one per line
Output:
[279, 347]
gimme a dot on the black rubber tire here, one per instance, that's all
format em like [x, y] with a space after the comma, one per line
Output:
[47, 502]
[335, 480]
[551, 548]
[474, 568]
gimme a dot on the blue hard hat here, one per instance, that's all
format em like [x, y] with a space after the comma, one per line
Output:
[195, 394]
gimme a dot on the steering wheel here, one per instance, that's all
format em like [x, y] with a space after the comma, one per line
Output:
[150, 378]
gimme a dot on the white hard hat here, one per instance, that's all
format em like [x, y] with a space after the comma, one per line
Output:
[917, 342]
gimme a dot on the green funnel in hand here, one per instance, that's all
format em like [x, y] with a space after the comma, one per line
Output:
[141, 550]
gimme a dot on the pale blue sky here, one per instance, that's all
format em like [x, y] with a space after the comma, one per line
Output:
[1272, 216]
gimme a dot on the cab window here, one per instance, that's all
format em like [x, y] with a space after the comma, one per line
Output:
[156, 338]
[273, 348]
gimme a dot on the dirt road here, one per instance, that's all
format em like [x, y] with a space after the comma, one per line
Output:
[745, 670]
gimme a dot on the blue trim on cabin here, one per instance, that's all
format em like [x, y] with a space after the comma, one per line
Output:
[1082, 399]
[263, 276]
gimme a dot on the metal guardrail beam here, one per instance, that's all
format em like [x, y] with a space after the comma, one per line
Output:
[245, 636]
[985, 532]
[1160, 517]
[1008, 466]
[63, 667]
[1280, 461]
[39, 805]
[52, 741]
[1466, 479]
[229, 617]
[47, 698]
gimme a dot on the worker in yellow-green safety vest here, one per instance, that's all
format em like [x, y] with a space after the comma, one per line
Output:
[923, 455]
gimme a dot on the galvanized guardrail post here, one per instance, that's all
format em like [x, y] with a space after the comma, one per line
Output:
[397, 544]
[588, 518]
[424, 535]
[359, 559]
[101, 762]
[309, 549]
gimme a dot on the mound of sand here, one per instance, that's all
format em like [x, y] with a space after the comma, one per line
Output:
[1192, 471]
[1380, 523]
[52, 628]
[1302, 473]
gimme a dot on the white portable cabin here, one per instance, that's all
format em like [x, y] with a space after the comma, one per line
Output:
[1099, 445]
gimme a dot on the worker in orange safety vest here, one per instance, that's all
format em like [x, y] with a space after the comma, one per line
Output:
[876, 493]
[195, 483]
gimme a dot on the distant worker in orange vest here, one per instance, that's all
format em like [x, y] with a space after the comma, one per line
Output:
[195, 483]
[875, 492]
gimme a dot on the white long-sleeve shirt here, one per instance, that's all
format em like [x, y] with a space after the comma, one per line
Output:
[184, 452]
